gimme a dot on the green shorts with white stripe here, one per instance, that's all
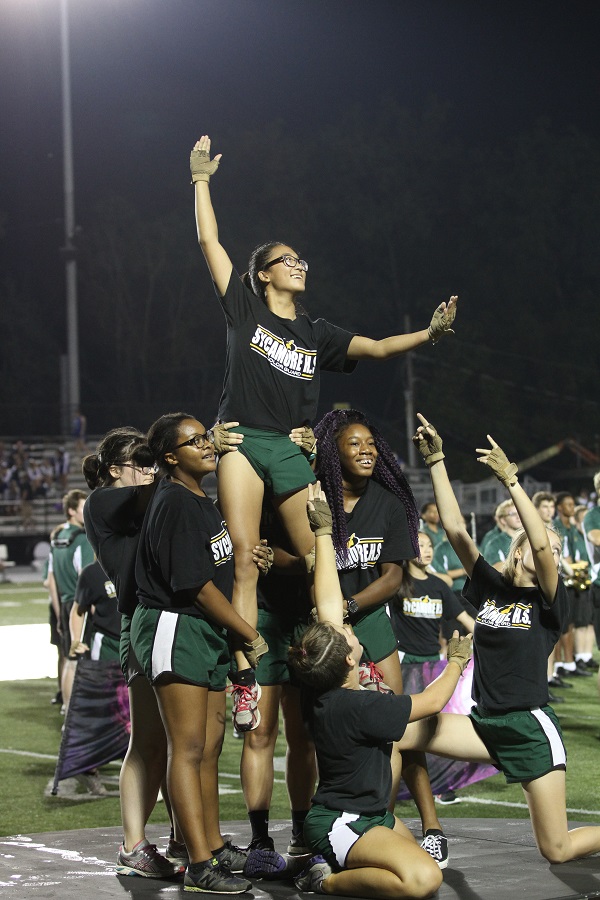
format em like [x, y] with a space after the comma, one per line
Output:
[524, 744]
[186, 647]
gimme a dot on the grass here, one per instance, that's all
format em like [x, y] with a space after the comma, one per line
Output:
[31, 725]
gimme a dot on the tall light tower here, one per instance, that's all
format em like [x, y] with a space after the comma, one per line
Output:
[69, 251]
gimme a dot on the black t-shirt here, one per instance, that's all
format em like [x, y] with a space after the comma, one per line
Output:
[353, 733]
[377, 533]
[95, 589]
[416, 619]
[113, 519]
[515, 631]
[184, 544]
[273, 364]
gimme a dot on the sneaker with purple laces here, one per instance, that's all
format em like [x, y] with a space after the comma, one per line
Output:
[310, 881]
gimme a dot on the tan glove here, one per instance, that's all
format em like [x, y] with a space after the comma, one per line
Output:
[225, 440]
[460, 650]
[319, 518]
[253, 650]
[505, 471]
[441, 321]
[429, 445]
[201, 165]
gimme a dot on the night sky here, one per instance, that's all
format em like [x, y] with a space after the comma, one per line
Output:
[149, 76]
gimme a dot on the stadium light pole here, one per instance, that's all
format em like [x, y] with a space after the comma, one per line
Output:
[69, 251]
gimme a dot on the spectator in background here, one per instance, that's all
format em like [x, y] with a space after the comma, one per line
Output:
[573, 553]
[495, 549]
[545, 504]
[70, 552]
[591, 531]
[78, 431]
[430, 523]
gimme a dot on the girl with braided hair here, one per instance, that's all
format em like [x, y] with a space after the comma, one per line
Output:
[275, 354]
[375, 525]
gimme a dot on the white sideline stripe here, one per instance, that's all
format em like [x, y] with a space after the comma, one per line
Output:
[163, 643]
[483, 802]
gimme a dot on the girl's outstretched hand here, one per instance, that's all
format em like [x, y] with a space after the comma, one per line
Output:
[319, 514]
[442, 319]
[495, 457]
[201, 165]
[460, 650]
[428, 442]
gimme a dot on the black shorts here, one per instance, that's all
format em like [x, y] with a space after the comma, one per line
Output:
[65, 615]
[54, 635]
[583, 609]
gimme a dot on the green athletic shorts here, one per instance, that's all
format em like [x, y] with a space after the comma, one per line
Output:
[332, 833]
[130, 665]
[104, 647]
[413, 658]
[374, 631]
[279, 462]
[187, 647]
[524, 744]
[280, 631]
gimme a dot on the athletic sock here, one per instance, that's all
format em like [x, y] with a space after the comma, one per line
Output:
[197, 868]
[298, 817]
[259, 823]
[245, 677]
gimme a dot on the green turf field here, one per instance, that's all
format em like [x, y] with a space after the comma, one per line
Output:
[30, 737]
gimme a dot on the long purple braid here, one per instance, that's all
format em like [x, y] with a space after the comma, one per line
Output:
[386, 472]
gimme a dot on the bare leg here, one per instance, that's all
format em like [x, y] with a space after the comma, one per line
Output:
[451, 735]
[145, 762]
[410, 765]
[256, 767]
[386, 864]
[209, 769]
[240, 498]
[292, 509]
[546, 799]
[183, 708]
[300, 761]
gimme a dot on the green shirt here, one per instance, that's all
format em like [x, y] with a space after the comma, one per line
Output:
[444, 559]
[496, 549]
[70, 552]
[436, 536]
[591, 522]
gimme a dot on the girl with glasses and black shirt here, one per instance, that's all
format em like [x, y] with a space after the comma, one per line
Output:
[275, 354]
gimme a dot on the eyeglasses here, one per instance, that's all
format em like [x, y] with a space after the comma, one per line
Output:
[199, 440]
[288, 260]
[145, 470]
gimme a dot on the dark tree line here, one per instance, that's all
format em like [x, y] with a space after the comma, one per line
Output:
[394, 214]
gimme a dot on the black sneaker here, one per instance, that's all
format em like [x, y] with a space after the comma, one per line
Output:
[436, 844]
[177, 854]
[557, 682]
[554, 698]
[297, 847]
[312, 878]
[146, 861]
[591, 665]
[213, 880]
[581, 669]
[447, 798]
[231, 858]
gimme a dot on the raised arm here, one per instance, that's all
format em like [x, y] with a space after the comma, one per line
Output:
[429, 445]
[366, 348]
[328, 593]
[544, 561]
[202, 167]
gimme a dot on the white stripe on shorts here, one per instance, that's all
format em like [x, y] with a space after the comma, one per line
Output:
[163, 643]
[96, 647]
[557, 748]
[343, 838]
